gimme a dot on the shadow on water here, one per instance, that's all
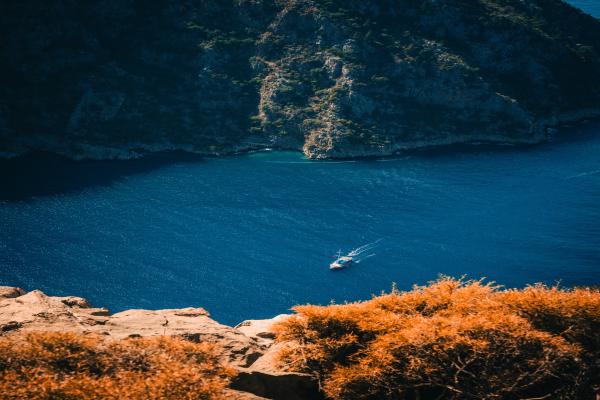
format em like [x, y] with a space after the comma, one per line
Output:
[42, 174]
[579, 133]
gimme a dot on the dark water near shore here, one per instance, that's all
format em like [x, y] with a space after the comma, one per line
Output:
[591, 7]
[249, 236]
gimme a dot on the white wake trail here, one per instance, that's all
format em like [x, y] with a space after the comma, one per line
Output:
[365, 257]
[596, 172]
[364, 248]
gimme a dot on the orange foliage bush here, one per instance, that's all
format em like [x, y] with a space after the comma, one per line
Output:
[70, 366]
[452, 339]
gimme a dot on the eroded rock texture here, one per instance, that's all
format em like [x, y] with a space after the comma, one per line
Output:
[249, 347]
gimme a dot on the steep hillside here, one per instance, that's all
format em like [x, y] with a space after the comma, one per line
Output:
[333, 78]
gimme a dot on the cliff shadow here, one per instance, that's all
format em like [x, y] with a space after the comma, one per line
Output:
[43, 174]
[576, 133]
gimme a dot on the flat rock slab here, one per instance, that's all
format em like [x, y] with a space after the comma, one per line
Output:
[35, 311]
[249, 347]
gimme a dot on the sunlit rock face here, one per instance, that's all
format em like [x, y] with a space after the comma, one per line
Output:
[248, 348]
[35, 311]
[331, 78]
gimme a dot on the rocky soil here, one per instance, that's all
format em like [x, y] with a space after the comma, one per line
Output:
[248, 347]
[332, 78]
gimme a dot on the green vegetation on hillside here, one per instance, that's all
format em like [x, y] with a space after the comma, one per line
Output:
[334, 78]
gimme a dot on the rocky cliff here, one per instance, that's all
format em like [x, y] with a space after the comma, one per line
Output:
[332, 78]
[248, 347]
[451, 339]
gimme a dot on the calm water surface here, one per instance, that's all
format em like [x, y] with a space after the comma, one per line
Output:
[249, 236]
[589, 6]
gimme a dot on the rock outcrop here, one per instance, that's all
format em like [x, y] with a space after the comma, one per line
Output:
[331, 78]
[8, 292]
[277, 385]
[249, 348]
[267, 376]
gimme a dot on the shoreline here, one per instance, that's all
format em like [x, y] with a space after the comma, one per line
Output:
[543, 131]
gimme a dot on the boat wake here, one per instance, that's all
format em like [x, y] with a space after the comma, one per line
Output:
[596, 172]
[363, 252]
[359, 260]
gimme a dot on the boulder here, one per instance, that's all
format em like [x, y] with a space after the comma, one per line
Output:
[269, 362]
[72, 301]
[9, 292]
[260, 328]
[277, 385]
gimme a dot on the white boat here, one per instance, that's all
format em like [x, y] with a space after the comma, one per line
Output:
[341, 261]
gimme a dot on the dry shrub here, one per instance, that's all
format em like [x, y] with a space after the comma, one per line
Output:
[452, 339]
[46, 365]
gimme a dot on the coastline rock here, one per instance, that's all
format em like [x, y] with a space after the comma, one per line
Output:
[267, 376]
[8, 292]
[191, 323]
[260, 328]
[334, 79]
[269, 361]
[248, 347]
[35, 311]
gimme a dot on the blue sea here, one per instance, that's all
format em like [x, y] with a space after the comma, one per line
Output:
[249, 236]
[591, 7]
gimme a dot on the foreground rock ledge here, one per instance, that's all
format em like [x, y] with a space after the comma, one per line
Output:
[247, 347]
